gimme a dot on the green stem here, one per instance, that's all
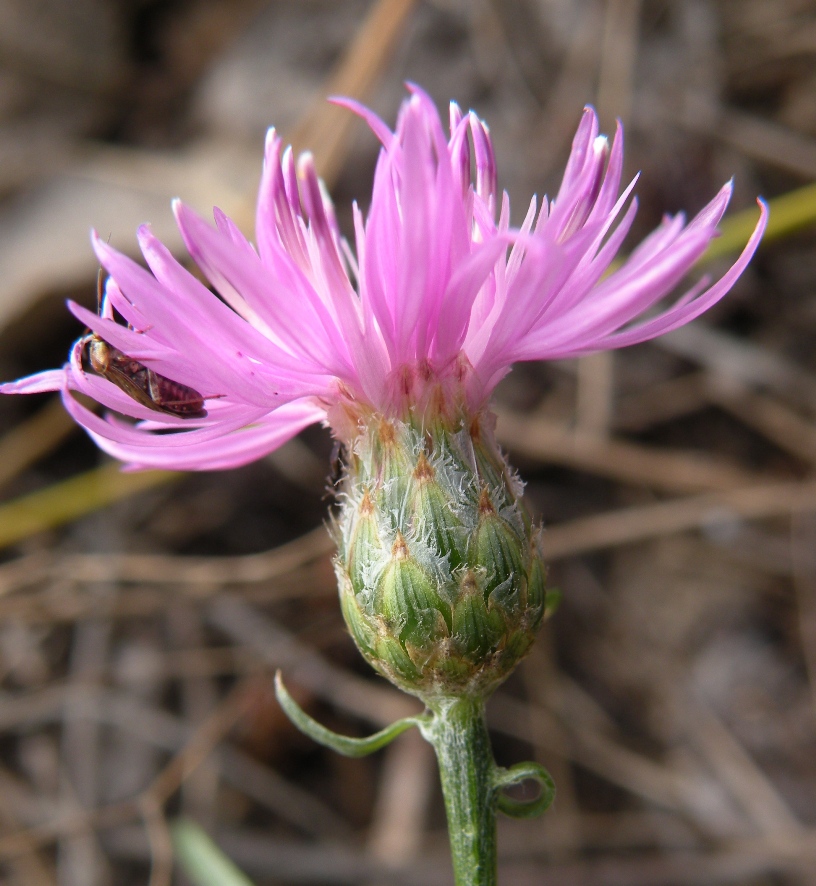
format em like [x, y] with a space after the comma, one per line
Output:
[472, 783]
[459, 736]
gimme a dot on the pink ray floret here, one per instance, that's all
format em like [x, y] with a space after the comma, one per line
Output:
[429, 310]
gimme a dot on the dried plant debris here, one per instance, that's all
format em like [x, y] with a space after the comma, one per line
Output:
[674, 693]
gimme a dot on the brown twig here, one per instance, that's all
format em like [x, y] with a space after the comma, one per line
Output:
[663, 469]
[161, 843]
[325, 129]
[635, 524]
[163, 786]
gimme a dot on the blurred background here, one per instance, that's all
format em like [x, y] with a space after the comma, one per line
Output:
[142, 616]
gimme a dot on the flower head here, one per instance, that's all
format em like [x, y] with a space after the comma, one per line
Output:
[397, 344]
[423, 318]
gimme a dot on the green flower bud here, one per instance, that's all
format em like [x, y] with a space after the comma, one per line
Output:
[477, 630]
[408, 601]
[439, 566]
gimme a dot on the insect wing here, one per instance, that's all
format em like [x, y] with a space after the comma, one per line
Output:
[140, 383]
[156, 391]
[175, 397]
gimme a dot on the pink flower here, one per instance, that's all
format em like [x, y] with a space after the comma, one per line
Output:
[439, 302]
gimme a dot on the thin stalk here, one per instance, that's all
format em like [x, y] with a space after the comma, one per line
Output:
[472, 784]
[459, 736]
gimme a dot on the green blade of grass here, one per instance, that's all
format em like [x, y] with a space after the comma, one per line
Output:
[786, 214]
[202, 861]
[70, 499]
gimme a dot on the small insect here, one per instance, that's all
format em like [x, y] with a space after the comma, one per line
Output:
[143, 384]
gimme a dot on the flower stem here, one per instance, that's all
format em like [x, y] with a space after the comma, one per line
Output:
[472, 783]
[459, 736]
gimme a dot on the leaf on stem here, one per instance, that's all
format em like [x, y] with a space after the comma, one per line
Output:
[342, 744]
[505, 778]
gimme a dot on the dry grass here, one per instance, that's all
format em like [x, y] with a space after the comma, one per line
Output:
[674, 694]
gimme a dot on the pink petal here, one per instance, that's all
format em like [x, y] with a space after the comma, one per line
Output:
[38, 383]
[230, 450]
